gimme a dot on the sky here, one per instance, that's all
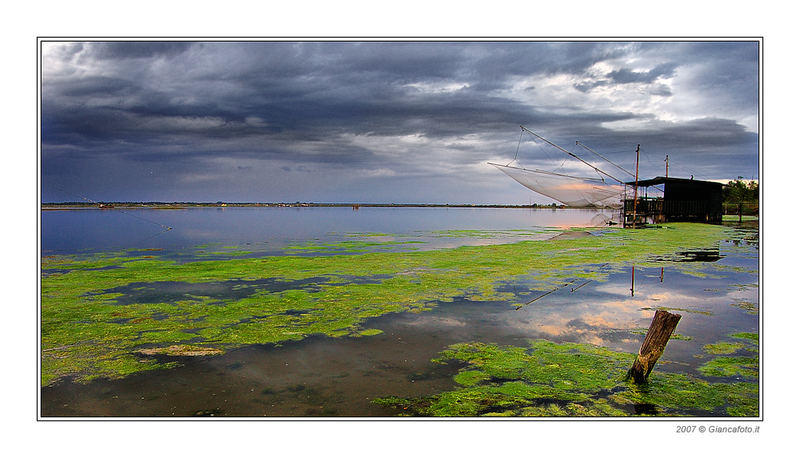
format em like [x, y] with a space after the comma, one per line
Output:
[381, 121]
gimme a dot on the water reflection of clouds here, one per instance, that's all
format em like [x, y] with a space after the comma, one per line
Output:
[433, 321]
[606, 314]
[72, 231]
[588, 322]
[193, 233]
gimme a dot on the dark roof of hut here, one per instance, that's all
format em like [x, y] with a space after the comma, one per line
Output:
[664, 180]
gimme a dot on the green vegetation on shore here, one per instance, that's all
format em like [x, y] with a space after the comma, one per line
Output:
[740, 198]
[102, 315]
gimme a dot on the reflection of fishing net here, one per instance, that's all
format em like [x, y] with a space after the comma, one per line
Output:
[571, 191]
[600, 220]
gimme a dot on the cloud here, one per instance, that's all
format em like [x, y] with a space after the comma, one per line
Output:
[394, 110]
[624, 75]
[137, 50]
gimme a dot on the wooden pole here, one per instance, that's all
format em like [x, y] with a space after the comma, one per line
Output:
[636, 187]
[653, 346]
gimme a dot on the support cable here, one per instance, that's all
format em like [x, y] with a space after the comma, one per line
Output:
[86, 199]
[518, 144]
[571, 154]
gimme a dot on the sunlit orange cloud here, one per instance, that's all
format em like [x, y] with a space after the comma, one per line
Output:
[593, 339]
[600, 321]
[556, 324]
[552, 329]
[584, 335]
[624, 313]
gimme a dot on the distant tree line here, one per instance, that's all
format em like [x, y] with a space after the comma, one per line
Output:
[741, 196]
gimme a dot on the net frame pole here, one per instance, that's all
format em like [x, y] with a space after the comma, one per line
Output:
[636, 187]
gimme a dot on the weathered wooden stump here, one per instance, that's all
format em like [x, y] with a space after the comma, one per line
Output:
[653, 346]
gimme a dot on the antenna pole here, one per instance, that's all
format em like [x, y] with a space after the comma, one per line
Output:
[636, 187]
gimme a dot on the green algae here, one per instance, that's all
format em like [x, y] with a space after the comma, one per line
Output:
[229, 253]
[750, 336]
[748, 306]
[550, 379]
[732, 366]
[673, 336]
[98, 336]
[679, 309]
[181, 350]
[723, 348]
[680, 337]
[489, 234]
[370, 234]
[347, 246]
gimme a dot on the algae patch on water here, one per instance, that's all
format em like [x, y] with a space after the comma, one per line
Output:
[732, 365]
[181, 350]
[550, 379]
[94, 318]
[350, 247]
[723, 348]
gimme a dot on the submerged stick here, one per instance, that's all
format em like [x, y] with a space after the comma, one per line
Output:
[653, 346]
[559, 287]
[590, 280]
[579, 286]
[549, 292]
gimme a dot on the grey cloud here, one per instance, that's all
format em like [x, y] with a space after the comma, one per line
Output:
[627, 76]
[588, 86]
[97, 85]
[137, 49]
[624, 76]
[178, 105]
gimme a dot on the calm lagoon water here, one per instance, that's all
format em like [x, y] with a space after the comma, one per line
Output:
[325, 376]
[86, 230]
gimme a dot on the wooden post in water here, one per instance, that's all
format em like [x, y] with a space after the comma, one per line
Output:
[653, 346]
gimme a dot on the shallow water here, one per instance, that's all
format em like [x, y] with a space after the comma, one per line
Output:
[274, 228]
[716, 294]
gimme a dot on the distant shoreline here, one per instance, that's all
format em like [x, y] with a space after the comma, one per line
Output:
[185, 205]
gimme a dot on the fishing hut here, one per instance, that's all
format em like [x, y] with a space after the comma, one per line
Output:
[676, 199]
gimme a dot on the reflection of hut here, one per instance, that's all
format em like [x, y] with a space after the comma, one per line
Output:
[683, 200]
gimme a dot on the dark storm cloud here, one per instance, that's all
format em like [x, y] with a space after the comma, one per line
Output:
[301, 93]
[92, 85]
[322, 87]
[628, 76]
[134, 50]
[195, 108]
